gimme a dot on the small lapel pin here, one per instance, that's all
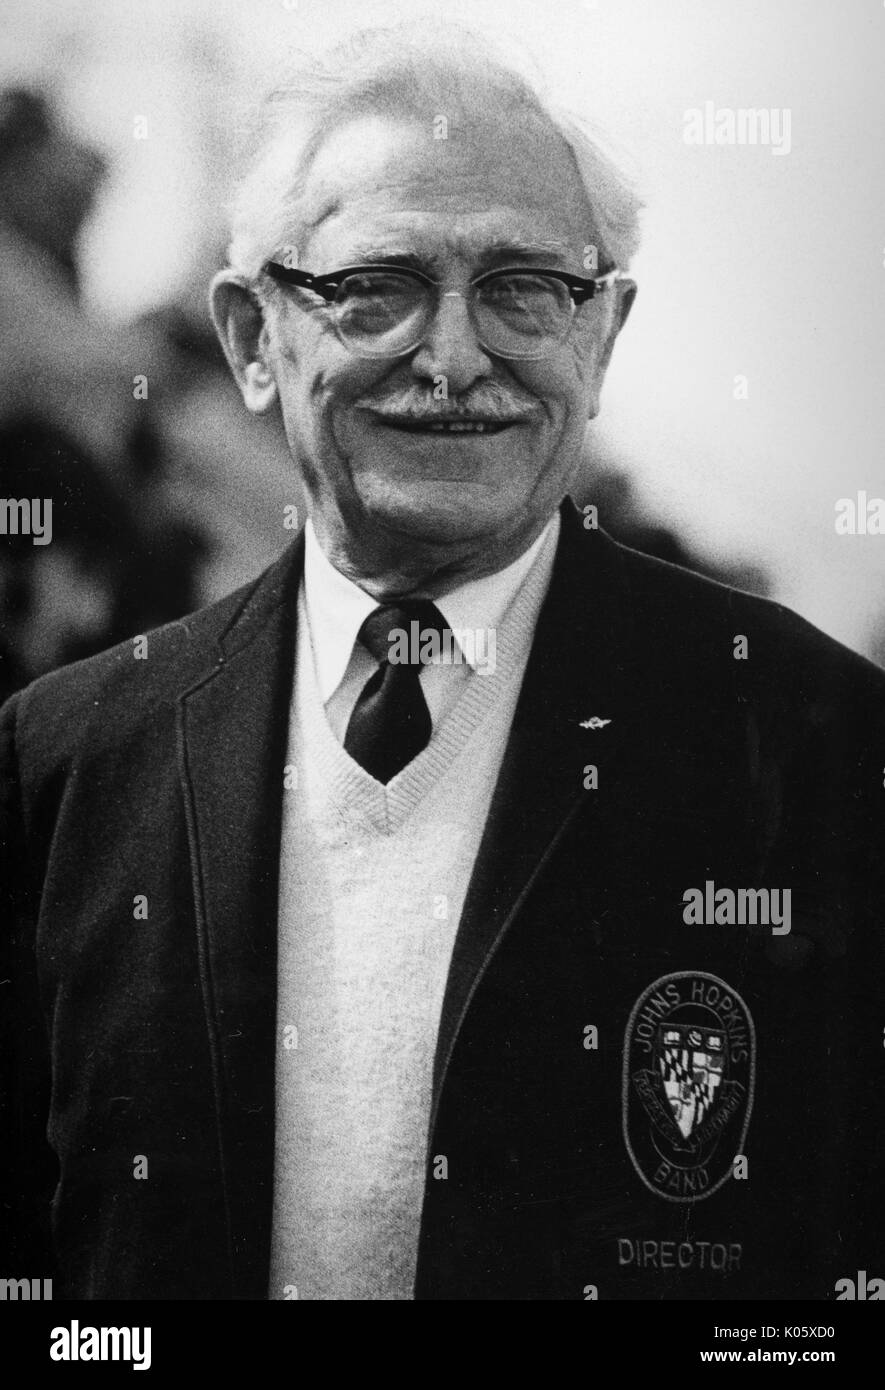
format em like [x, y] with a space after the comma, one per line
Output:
[594, 723]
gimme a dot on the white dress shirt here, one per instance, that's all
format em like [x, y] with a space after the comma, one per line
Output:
[336, 609]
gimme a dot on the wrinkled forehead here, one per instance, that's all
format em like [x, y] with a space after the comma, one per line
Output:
[379, 183]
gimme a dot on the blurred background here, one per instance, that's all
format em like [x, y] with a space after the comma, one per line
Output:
[120, 128]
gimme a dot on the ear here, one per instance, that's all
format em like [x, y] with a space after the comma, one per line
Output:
[239, 323]
[625, 290]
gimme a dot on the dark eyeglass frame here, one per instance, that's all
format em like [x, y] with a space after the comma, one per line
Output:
[327, 286]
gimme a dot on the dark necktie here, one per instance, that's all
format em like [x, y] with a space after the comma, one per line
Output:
[391, 723]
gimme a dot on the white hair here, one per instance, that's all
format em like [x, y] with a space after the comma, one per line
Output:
[395, 71]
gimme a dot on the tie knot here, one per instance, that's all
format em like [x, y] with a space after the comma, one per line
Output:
[388, 632]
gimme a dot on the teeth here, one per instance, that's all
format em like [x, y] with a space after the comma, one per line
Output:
[450, 426]
[458, 427]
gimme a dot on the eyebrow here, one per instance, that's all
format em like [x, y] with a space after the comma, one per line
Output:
[527, 250]
[519, 252]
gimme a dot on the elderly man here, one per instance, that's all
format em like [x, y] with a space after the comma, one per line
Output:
[469, 907]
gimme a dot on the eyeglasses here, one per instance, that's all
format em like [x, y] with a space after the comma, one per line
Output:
[386, 311]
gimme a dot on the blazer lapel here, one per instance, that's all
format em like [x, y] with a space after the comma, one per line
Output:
[233, 726]
[572, 713]
[232, 742]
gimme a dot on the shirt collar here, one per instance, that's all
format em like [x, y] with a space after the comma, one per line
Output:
[337, 608]
[482, 603]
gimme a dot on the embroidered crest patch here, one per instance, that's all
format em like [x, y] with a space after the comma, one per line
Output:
[689, 1066]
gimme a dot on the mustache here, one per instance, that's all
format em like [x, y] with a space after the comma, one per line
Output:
[489, 400]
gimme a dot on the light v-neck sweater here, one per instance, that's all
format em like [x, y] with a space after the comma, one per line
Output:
[372, 884]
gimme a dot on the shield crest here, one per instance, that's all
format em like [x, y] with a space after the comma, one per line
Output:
[691, 1062]
[689, 1067]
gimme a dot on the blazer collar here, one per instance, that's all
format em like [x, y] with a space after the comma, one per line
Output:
[572, 712]
[232, 731]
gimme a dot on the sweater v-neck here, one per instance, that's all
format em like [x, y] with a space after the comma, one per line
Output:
[353, 792]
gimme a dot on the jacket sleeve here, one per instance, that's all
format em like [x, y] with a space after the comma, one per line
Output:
[27, 1167]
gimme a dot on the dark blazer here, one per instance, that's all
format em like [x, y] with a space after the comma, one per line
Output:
[568, 1168]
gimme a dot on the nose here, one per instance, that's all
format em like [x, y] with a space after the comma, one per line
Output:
[451, 349]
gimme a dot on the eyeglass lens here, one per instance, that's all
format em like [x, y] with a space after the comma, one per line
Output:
[382, 313]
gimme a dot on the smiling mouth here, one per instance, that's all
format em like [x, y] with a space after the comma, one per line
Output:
[437, 426]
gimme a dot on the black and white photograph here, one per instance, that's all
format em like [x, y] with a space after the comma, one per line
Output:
[442, 666]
